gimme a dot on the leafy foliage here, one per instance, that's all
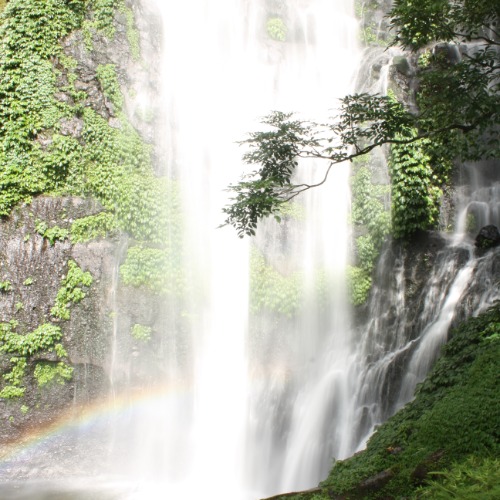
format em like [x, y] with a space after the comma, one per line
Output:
[35, 157]
[272, 291]
[53, 234]
[364, 119]
[473, 478]
[154, 268]
[92, 227]
[110, 164]
[71, 290]
[106, 74]
[370, 216]
[415, 198]
[22, 346]
[443, 20]
[132, 32]
[279, 293]
[43, 338]
[359, 283]
[46, 373]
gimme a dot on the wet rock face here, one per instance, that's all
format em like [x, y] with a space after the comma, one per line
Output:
[34, 268]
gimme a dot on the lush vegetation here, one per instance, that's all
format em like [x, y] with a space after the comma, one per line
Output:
[21, 347]
[39, 156]
[110, 164]
[445, 443]
[271, 291]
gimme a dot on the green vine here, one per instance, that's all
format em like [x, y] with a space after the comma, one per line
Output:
[132, 32]
[92, 227]
[415, 195]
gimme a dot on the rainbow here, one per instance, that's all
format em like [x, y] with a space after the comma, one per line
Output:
[81, 418]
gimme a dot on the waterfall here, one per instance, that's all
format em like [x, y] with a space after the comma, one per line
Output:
[259, 390]
[266, 375]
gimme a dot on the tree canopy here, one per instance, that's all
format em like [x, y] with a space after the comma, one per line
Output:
[458, 110]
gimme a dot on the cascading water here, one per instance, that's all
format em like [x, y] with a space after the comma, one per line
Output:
[221, 75]
[400, 341]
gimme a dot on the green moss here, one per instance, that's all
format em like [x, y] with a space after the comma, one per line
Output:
[42, 338]
[11, 392]
[22, 347]
[5, 286]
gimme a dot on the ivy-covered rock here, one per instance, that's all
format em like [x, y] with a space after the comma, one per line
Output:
[77, 180]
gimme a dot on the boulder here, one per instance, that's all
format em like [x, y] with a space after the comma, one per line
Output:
[488, 237]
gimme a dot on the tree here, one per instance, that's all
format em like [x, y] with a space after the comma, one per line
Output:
[458, 111]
